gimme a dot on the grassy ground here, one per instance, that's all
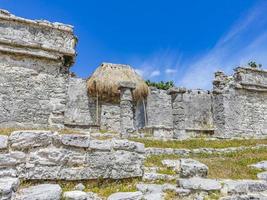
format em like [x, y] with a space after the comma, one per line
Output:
[225, 166]
[103, 188]
[200, 143]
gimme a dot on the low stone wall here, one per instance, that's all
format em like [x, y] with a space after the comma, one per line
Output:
[46, 155]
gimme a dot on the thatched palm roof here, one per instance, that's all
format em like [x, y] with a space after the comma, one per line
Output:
[106, 80]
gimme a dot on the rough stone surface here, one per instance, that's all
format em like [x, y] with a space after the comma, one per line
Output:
[246, 197]
[46, 155]
[151, 191]
[126, 112]
[3, 142]
[126, 196]
[197, 183]
[233, 187]
[191, 168]
[262, 176]
[36, 52]
[240, 108]
[8, 186]
[75, 195]
[110, 117]
[260, 165]
[40, 192]
[22, 140]
[73, 140]
[172, 164]
[80, 107]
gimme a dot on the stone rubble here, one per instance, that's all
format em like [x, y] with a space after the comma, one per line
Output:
[199, 184]
[126, 196]
[260, 165]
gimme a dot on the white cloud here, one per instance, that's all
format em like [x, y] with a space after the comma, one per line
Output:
[155, 73]
[170, 71]
[246, 40]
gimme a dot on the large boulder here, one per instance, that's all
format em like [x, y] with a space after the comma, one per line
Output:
[191, 168]
[40, 192]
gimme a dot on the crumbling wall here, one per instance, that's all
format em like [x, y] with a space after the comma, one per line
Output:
[34, 61]
[240, 103]
[46, 155]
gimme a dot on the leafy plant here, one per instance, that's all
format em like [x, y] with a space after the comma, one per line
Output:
[161, 85]
[254, 65]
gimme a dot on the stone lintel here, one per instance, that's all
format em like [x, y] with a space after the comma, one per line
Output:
[127, 84]
[175, 90]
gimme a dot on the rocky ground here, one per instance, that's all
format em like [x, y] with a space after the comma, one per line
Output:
[197, 169]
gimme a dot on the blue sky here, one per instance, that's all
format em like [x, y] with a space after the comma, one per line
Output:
[181, 40]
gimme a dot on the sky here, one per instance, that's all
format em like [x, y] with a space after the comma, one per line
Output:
[181, 40]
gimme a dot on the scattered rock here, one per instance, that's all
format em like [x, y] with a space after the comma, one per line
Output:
[179, 191]
[237, 187]
[197, 183]
[40, 192]
[3, 142]
[75, 195]
[246, 197]
[79, 187]
[260, 165]
[191, 168]
[151, 191]
[172, 164]
[262, 176]
[126, 196]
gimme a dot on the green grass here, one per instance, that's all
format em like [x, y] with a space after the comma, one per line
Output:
[224, 166]
[200, 143]
[103, 188]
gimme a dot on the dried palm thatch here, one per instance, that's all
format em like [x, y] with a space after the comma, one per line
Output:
[105, 81]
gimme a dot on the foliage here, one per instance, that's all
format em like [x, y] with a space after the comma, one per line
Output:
[161, 85]
[254, 65]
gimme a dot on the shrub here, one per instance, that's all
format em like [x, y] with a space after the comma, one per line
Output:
[161, 85]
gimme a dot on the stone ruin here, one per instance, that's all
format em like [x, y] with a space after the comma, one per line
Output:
[37, 91]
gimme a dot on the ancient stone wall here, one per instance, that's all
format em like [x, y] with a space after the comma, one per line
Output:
[240, 103]
[34, 60]
[110, 117]
[80, 108]
[46, 155]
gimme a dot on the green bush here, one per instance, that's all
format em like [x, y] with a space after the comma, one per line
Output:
[161, 85]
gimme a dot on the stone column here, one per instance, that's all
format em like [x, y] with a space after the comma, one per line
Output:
[178, 112]
[126, 109]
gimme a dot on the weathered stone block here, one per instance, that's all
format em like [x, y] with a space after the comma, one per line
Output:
[40, 192]
[23, 140]
[76, 140]
[12, 159]
[7, 187]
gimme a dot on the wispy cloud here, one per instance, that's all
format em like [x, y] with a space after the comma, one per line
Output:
[245, 41]
[163, 65]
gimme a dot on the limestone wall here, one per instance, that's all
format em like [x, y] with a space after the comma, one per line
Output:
[80, 108]
[110, 117]
[240, 103]
[159, 109]
[46, 155]
[34, 61]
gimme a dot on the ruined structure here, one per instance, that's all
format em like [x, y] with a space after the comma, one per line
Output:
[36, 91]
